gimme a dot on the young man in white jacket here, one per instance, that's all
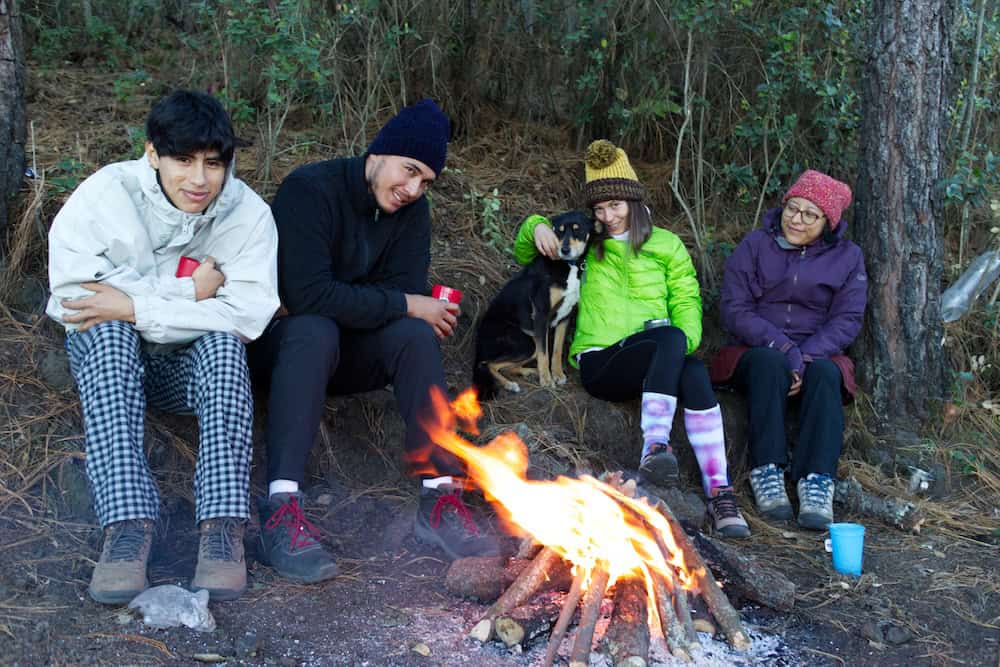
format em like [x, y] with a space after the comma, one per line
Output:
[142, 329]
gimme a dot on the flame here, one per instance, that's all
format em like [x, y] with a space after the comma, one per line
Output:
[584, 520]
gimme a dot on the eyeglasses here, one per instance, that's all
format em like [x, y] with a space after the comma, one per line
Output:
[808, 217]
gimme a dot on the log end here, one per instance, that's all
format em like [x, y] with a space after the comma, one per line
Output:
[740, 641]
[509, 631]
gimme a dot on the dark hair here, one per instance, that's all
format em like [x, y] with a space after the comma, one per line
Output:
[640, 228]
[188, 121]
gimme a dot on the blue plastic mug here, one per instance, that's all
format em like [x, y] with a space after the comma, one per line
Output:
[847, 542]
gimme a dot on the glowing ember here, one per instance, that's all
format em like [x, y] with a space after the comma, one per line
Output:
[584, 520]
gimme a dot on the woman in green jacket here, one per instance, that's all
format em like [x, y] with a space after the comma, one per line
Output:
[638, 323]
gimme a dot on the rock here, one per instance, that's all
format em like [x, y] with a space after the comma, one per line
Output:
[421, 649]
[897, 635]
[246, 645]
[54, 370]
[30, 296]
[686, 506]
[170, 606]
[885, 632]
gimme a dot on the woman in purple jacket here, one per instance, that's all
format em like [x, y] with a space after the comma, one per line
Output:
[793, 298]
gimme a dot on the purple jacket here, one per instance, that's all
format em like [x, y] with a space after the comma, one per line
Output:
[807, 302]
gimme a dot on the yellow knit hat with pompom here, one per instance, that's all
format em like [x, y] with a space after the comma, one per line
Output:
[609, 174]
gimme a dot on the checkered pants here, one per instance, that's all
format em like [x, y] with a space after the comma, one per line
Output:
[116, 378]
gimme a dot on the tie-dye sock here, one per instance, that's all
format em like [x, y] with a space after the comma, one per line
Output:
[657, 418]
[704, 430]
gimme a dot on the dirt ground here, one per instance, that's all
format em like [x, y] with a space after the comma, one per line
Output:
[926, 599]
[939, 592]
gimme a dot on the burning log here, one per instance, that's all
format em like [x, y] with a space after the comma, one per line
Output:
[528, 549]
[727, 617]
[747, 576]
[681, 609]
[484, 578]
[672, 629]
[894, 511]
[519, 592]
[521, 625]
[590, 609]
[626, 641]
[565, 616]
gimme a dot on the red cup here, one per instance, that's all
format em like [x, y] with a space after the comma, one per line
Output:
[446, 293]
[186, 267]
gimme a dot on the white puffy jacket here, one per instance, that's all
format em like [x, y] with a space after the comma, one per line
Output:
[118, 228]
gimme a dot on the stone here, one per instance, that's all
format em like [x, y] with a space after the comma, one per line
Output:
[54, 369]
[688, 507]
[170, 606]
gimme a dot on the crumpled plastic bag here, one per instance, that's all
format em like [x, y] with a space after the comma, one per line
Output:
[169, 606]
[958, 298]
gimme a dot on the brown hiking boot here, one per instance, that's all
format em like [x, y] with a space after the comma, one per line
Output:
[120, 574]
[221, 569]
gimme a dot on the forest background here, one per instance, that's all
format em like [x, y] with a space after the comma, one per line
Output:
[722, 103]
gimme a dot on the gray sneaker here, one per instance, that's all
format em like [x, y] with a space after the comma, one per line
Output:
[815, 501]
[221, 570]
[120, 574]
[727, 519]
[768, 483]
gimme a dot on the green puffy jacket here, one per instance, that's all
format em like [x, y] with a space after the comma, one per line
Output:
[621, 292]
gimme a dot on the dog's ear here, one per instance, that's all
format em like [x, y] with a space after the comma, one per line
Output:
[598, 227]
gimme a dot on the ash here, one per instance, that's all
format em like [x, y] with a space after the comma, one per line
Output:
[442, 631]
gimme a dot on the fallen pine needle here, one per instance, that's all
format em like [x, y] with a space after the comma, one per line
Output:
[829, 655]
[160, 646]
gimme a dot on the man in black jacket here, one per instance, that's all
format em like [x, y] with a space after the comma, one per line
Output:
[353, 254]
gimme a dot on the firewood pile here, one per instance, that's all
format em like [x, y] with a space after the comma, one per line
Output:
[650, 598]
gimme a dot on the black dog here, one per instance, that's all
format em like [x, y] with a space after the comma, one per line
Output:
[514, 330]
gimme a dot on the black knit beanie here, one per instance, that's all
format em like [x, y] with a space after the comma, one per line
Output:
[420, 131]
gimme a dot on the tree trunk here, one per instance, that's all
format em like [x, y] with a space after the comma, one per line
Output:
[903, 132]
[12, 128]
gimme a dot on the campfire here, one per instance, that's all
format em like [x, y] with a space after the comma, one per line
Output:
[595, 537]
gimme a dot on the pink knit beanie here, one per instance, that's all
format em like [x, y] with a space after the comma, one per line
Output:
[828, 193]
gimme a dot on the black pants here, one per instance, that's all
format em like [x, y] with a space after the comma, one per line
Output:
[301, 358]
[763, 374]
[652, 360]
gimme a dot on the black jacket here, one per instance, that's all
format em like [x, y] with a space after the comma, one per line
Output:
[339, 255]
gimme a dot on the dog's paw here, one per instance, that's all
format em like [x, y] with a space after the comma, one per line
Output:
[560, 380]
[514, 388]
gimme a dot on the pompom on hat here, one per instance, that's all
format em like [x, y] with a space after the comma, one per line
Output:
[609, 175]
[829, 194]
[420, 131]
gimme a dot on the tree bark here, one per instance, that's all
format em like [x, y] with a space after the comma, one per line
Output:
[898, 212]
[12, 120]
